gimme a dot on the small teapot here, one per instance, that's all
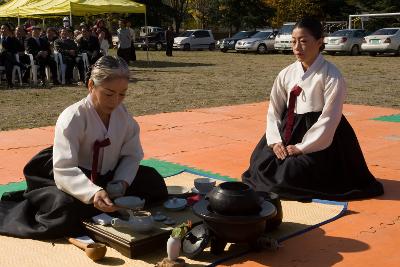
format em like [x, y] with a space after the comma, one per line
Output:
[139, 221]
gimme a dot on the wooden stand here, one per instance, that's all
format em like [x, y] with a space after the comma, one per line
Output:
[133, 245]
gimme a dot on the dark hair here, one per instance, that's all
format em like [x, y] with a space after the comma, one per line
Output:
[314, 27]
[7, 25]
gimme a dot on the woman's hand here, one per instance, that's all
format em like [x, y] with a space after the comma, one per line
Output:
[280, 151]
[293, 150]
[102, 202]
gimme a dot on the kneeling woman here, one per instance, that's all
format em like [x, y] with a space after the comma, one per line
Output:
[96, 142]
[309, 150]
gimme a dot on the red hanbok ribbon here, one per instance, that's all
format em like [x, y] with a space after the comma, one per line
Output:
[96, 148]
[290, 116]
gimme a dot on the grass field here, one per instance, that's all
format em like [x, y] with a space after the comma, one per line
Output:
[202, 79]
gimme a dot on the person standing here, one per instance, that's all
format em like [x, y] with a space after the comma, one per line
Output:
[132, 33]
[124, 41]
[169, 38]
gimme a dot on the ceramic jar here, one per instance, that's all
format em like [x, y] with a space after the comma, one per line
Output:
[234, 198]
[174, 245]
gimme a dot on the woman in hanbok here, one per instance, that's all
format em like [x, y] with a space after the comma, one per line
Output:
[309, 149]
[96, 148]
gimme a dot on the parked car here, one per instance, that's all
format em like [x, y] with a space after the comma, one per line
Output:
[347, 41]
[386, 40]
[229, 43]
[283, 40]
[261, 42]
[155, 40]
[195, 39]
[150, 29]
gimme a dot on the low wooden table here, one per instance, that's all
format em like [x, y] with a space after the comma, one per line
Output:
[132, 244]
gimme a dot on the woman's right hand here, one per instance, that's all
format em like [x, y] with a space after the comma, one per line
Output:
[102, 202]
[280, 151]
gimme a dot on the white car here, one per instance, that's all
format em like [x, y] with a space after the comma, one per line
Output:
[283, 40]
[386, 40]
[346, 41]
[195, 39]
[261, 42]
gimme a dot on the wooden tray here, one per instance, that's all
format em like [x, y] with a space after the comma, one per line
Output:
[133, 245]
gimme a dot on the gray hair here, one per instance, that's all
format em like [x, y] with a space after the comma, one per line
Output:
[108, 68]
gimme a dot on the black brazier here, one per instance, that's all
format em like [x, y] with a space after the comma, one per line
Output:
[234, 198]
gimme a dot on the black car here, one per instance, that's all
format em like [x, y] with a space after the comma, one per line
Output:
[229, 43]
[155, 40]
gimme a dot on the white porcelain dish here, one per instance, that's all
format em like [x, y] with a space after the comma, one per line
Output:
[175, 204]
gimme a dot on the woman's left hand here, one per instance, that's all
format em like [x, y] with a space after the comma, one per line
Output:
[293, 150]
[102, 202]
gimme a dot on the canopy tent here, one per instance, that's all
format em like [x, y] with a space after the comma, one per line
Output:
[10, 9]
[47, 8]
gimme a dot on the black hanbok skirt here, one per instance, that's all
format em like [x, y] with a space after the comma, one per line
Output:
[338, 172]
[43, 211]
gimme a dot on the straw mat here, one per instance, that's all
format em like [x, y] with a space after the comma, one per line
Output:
[298, 218]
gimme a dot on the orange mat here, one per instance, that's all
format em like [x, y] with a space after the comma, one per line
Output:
[221, 139]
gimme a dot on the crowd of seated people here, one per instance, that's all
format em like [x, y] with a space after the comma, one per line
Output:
[44, 45]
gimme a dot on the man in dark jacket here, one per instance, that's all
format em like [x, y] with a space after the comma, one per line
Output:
[40, 49]
[9, 47]
[89, 44]
[69, 51]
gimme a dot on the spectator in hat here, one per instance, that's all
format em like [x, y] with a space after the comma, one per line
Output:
[66, 22]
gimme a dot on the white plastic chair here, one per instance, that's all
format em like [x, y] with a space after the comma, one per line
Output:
[34, 70]
[104, 46]
[86, 63]
[17, 70]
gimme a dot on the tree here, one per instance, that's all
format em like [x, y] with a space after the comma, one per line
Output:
[179, 9]
[294, 10]
[201, 11]
[248, 14]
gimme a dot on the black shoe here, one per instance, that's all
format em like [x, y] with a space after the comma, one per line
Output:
[56, 82]
[42, 83]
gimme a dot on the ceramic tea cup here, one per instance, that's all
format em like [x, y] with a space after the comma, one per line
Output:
[204, 185]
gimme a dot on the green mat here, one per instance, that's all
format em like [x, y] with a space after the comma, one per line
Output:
[390, 118]
[163, 167]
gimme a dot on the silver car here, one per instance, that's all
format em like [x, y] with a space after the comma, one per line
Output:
[386, 40]
[261, 42]
[345, 41]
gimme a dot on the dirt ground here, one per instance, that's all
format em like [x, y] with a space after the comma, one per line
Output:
[198, 79]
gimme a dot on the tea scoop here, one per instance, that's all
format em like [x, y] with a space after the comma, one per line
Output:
[95, 251]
